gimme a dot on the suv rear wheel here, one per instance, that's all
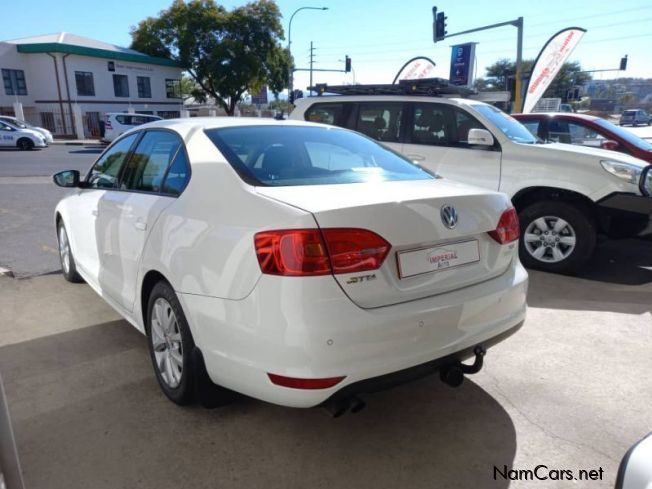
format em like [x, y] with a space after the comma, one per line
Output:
[556, 236]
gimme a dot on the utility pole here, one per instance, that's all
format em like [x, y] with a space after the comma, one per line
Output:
[312, 60]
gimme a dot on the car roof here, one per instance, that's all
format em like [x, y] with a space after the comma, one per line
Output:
[303, 103]
[192, 124]
[570, 115]
[133, 113]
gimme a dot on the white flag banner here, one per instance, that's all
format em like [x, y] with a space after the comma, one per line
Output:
[550, 60]
[415, 69]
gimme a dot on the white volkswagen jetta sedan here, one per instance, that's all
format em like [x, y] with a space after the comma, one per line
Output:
[293, 262]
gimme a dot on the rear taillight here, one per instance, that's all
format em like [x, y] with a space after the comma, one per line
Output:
[305, 252]
[355, 250]
[508, 229]
[107, 123]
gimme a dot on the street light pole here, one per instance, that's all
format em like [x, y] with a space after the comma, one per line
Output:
[291, 87]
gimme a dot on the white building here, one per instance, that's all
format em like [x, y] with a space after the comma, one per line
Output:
[66, 83]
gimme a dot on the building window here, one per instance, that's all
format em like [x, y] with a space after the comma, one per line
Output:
[84, 81]
[169, 114]
[14, 81]
[173, 88]
[121, 85]
[144, 87]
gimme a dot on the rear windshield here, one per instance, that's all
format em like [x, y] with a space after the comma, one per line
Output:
[630, 112]
[300, 155]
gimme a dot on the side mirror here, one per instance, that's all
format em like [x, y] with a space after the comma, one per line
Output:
[480, 137]
[609, 144]
[67, 178]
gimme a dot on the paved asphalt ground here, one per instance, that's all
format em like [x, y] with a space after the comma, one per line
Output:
[571, 390]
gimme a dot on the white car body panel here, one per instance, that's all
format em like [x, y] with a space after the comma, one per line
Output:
[247, 323]
[516, 167]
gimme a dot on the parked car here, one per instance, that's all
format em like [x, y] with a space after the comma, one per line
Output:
[564, 194]
[634, 117]
[24, 139]
[586, 130]
[292, 262]
[566, 108]
[117, 123]
[26, 125]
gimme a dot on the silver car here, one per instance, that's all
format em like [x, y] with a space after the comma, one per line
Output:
[634, 117]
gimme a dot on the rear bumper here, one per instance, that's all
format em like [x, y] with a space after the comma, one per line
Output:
[308, 328]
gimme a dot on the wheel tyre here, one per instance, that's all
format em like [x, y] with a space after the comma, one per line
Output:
[68, 266]
[579, 219]
[25, 144]
[178, 335]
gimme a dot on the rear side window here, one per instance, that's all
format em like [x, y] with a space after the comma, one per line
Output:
[332, 114]
[298, 155]
[149, 162]
[380, 121]
[106, 170]
[123, 119]
[430, 125]
[178, 175]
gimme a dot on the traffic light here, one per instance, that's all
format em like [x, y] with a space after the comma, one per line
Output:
[347, 64]
[440, 26]
[623, 63]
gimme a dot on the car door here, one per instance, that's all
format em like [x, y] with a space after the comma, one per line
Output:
[7, 135]
[436, 138]
[83, 227]
[127, 216]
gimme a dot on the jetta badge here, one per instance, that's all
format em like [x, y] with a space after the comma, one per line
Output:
[449, 216]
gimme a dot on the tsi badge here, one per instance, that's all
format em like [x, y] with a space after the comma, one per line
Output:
[448, 216]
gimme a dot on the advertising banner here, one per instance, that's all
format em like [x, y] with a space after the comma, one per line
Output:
[550, 60]
[462, 63]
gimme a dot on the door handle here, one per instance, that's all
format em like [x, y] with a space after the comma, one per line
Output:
[416, 157]
[140, 225]
[94, 212]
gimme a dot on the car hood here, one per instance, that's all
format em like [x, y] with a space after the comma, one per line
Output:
[597, 153]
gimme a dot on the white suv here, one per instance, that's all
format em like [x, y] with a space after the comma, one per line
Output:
[564, 194]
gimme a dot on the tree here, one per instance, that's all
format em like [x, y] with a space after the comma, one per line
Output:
[569, 75]
[227, 53]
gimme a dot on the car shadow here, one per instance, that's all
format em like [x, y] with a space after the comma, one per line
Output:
[88, 413]
[618, 278]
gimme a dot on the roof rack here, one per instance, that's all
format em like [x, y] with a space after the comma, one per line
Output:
[432, 87]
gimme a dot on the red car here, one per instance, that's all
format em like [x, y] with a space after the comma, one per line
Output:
[586, 130]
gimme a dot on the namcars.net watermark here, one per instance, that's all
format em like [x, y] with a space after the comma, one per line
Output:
[543, 473]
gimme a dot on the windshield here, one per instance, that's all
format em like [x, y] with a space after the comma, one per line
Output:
[509, 126]
[628, 136]
[17, 123]
[300, 155]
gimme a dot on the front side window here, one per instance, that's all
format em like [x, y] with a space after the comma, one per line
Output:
[144, 87]
[121, 85]
[533, 126]
[14, 82]
[380, 121]
[506, 124]
[298, 155]
[106, 170]
[173, 88]
[84, 82]
[150, 160]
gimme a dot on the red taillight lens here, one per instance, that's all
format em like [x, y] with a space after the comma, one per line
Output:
[508, 229]
[303, 252]
[293, 252]
[355, 250]
[295, 383]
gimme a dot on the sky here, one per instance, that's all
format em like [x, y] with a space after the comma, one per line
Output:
[380, 35]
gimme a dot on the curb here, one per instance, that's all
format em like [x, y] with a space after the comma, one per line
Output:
[5, 272]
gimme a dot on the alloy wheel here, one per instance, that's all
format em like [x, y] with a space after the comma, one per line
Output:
[549, 239]
[166, 342]
[64, 249]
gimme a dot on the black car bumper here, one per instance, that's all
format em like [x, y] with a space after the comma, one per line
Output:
[625, 215]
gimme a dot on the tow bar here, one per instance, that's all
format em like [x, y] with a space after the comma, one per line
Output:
[453, 375]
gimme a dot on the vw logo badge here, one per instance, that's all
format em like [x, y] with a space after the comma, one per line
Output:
[449, 216]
